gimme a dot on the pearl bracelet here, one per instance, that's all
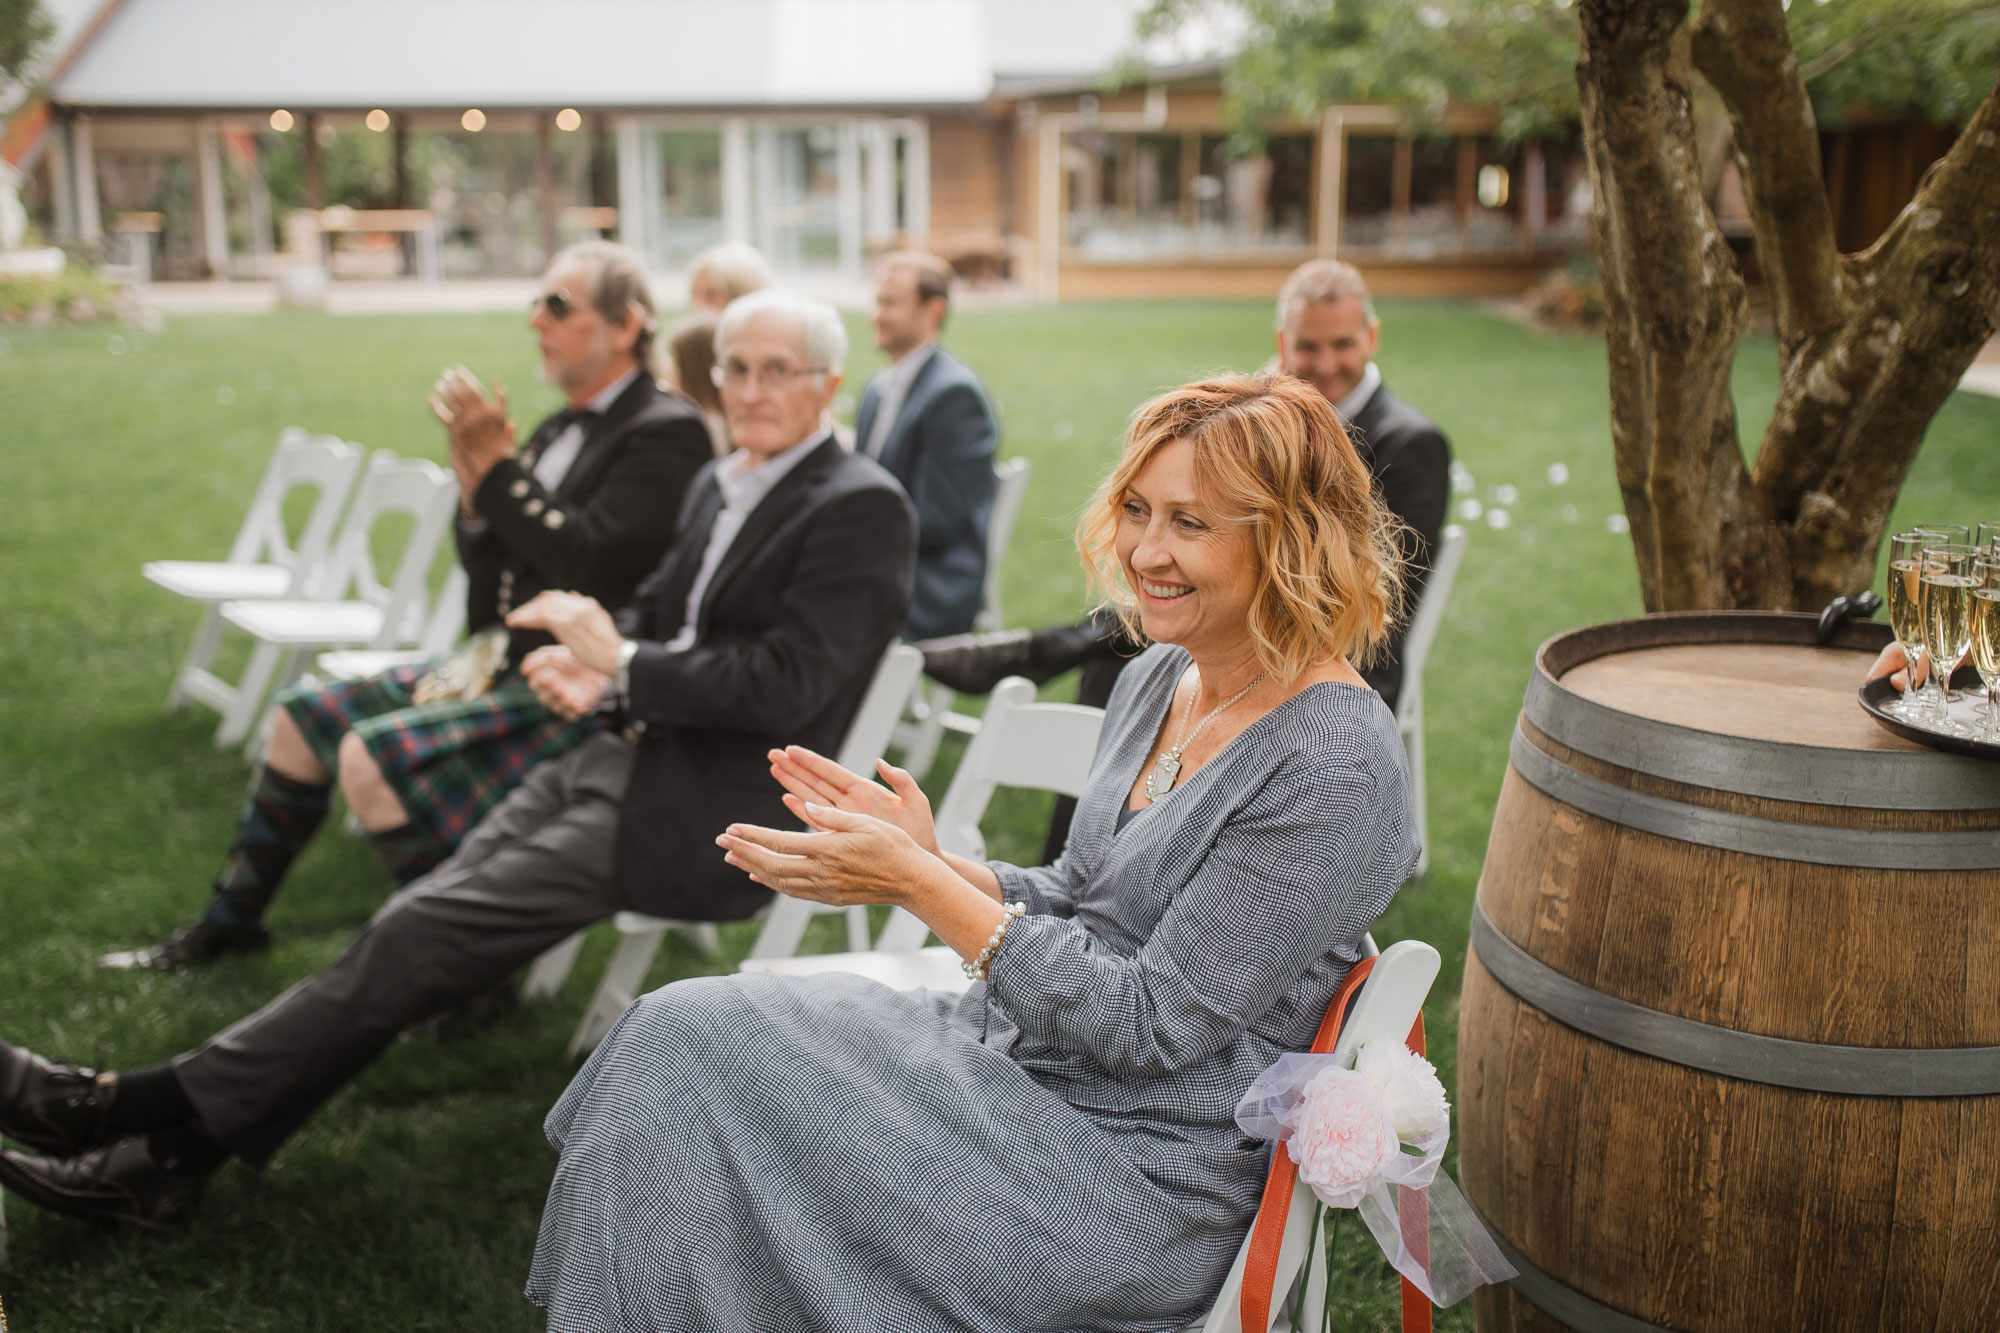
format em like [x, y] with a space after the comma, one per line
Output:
[975, 970]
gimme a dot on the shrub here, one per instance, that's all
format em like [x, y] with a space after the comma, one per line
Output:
[74, 294]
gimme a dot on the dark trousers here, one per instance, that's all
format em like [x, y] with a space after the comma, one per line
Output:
[534, 870]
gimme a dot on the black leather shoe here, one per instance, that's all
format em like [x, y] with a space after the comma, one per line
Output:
[119, 1182]
[50, 1107]
[192, 945]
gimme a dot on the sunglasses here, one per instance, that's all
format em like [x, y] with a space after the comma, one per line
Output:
[558, 303]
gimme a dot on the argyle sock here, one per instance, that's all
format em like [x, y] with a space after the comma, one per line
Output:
[406, 851]
[279, 817]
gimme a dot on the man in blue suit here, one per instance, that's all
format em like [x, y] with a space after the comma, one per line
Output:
[926, 420]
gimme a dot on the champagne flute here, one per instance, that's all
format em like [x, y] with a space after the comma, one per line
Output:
[1986, 636]
[1937, 533]
[1989, 538]
[1906, 613]
[1946, 585]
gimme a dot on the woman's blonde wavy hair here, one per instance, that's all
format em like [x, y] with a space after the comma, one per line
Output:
[1271, 456]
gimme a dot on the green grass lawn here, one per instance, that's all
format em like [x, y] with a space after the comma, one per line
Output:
[412, 1201]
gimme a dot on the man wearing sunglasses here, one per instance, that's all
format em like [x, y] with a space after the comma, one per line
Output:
[587, 503]
[762, 627]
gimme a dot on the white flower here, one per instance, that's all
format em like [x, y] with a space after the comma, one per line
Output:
[1409, 1084]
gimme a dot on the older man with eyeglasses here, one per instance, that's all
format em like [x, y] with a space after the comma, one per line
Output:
[789, 577]
[588, 503]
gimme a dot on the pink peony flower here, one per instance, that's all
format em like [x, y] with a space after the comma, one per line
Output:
[1344, 1137]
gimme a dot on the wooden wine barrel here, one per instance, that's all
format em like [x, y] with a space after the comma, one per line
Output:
[1729, 1047]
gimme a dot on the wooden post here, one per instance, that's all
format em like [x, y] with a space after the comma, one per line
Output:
[89, 217]
[315, 191]
[209, 199]
[1465, 188]
[1399, 194]
[545, 187]
[399, 153]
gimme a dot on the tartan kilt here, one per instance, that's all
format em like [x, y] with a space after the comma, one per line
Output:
[448, 762]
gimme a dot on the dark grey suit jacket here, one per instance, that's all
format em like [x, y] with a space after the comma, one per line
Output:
[602, 528]
[940, 447]
[1412, 465]
[790, 630]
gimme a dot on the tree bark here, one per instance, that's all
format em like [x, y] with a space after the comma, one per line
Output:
[1870, 345]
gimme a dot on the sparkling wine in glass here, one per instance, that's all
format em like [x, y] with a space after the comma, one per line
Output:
[1906, 613]
[1988, 540]
[1946, 584]
[1956, 534]
[1986, 635]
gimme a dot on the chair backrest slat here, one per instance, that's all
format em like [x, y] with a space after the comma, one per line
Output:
[1429, 615]
[1010, 489]
[1020, 743]
[324, 462]
[413, 486]
[868, 734]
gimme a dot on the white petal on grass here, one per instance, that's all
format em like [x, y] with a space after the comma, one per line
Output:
[1062, 430]
[115, 345]
[225, 395]
[1461, 478]
[1469, 509]
[1498, 518]
[1558, 474]
[1569, 514]
[1505, 495]
[1527, 536]
[265, 381]
[1617, 524]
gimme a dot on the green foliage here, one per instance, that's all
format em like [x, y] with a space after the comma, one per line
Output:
[1931, 57]
[24, 31]
[411, 1200]
[75, 293]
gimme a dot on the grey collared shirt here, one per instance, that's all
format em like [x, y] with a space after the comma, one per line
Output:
[744, 485]
[896, 382]
[1351, 404]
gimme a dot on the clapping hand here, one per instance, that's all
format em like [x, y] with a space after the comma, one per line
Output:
[578, 622]
[566, 687]
[810, 778]
[477, 426]
[851, 858]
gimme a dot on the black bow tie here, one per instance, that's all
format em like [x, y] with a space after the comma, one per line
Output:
[569, 416]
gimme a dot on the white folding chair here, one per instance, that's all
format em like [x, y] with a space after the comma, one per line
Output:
[443, 628]
[930, 706]
[354, 607]
[1023, 744]
[1416, 651]
[639, 935]
[1387, 1005]
[262, 561]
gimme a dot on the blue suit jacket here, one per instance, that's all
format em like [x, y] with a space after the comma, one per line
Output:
[940, 447]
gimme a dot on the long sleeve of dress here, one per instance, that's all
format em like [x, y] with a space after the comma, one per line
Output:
[1283, 883]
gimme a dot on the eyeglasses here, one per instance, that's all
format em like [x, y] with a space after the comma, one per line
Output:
[558, 303]
[772, 375]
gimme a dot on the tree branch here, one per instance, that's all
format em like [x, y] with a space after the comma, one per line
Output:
[1744, 50]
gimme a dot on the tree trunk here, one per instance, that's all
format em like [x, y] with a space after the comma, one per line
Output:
[1869, 345]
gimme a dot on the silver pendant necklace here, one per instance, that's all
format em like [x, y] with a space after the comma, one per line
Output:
[1167, 769]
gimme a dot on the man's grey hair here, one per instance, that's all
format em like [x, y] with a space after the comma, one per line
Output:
[618, 285]
[825, 335]
[1323, 280]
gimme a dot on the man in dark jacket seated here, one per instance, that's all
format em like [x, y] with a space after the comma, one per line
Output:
[790, 576]
[422, 752]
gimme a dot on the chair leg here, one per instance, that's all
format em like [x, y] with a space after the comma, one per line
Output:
[552, 968]
[636, 946]
[201, 651]
[248, 696]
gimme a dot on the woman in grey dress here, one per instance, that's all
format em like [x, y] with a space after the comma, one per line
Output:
[1055, 1149]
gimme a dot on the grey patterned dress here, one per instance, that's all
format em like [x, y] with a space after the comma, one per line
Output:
[1054, 1150]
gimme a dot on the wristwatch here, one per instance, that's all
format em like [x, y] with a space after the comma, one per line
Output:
[621, 679]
